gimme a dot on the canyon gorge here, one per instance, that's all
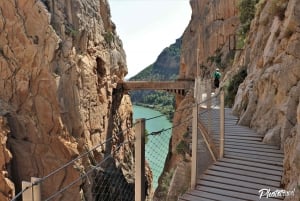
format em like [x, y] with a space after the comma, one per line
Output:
[60, 62]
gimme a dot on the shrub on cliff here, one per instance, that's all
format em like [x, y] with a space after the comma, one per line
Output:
[233, 86]
[247, 12]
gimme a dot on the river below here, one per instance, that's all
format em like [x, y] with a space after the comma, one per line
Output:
[157, 146]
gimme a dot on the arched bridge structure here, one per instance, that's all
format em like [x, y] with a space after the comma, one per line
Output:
[179, 87]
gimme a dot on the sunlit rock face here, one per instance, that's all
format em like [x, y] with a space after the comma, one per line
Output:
[207, 34]
[211, 25]
[269, 98]
[6, 185]
[59, 64]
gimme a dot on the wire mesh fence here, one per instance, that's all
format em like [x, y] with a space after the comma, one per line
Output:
[110, 176]
[101, 180]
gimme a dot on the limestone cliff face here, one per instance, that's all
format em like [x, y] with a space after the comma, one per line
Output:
[269, 98]
[59, 63]
[6, 185]
[207, 35]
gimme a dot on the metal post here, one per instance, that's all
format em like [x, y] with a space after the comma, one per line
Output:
[222, 123]
[194, 147]
[140, 160]
[197, 98]
[36, 189]
[209, 103]
[27, 194]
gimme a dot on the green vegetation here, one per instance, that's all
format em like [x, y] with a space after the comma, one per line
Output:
[233, 86]
[182, 147]
[70, 30]
[247, 12]
[166, 67]
[165, 182]
[217, 59]
[108, 37]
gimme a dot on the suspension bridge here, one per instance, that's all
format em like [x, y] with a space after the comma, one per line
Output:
[242, 163]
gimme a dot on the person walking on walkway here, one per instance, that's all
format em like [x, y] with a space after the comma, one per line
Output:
[217, 76]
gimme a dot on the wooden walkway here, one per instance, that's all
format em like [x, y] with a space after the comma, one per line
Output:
[179, 86]
[248, 165]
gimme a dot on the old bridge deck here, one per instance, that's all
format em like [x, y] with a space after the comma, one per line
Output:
[178, 86]
[248, 166]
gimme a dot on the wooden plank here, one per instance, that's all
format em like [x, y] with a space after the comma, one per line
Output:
[242, 138]
[230, 193]
[227, 187]
[260, 145]
[243, 141]
[246, 173]
[250, 152]
[274, 163]
[267, 158]
[212, 196]
[259, 149]
[233, 182]
[187, 197]
[254, 169]
[243, 178]
[235, 188]
[252, 164]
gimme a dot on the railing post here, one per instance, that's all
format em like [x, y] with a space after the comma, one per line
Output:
[140, 160]
[197, 98]
[222, 123]
[36, 189]
[27, 194]
[194, 171]
[33, 192]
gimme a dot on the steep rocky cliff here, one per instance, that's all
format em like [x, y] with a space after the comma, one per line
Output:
[6, 186]
[207, 36]
[205, 39]
[59, 63]
[269, 98]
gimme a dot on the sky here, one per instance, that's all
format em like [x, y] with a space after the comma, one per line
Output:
[146, 27]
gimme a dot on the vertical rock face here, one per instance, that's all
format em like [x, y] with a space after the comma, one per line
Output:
[206, 37]
[59, 63]
[269, 98]
[207, 34]
[6, 185]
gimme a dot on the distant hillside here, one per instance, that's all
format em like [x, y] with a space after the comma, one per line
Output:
[166, 67]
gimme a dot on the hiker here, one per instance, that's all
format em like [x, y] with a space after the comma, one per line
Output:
[217, 76]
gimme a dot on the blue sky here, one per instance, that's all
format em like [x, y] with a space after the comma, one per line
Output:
[146, 27]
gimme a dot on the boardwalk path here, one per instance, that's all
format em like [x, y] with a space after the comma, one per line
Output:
[248, 165]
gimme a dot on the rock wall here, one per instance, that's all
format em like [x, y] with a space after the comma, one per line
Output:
[269, 98]
[208, 32]
[59, 63]
[206, 36]
[6, 186]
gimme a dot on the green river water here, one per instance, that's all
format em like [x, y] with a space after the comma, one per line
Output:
[157, 145]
